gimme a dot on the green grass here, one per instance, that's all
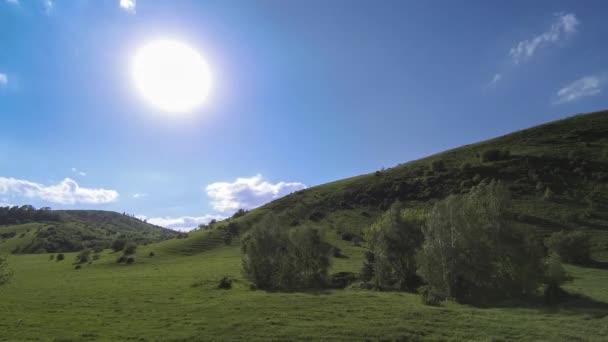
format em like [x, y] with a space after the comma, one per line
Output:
[172, 297]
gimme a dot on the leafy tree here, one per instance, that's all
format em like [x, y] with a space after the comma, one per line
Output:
[275, 257]
[5, 272]
[130, 249]
[118, 245]
[572, 247]
[393, 241]
[83, 256]
[473, 254]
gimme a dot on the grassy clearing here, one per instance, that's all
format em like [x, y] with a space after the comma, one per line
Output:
[172, 297]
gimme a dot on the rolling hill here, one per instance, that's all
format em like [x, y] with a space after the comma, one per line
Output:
[73, 230]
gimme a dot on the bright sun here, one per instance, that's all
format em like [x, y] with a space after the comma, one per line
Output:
[171, 75]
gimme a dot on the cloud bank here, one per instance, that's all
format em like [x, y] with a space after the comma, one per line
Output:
[247, 193]
[184, 223]
[64, 192]
[583, 87]
[564, 26]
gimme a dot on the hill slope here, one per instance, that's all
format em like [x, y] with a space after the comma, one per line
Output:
[73, 230]
[557, 174]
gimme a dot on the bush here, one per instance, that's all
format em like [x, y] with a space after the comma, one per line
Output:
[494, 155]
[275, 257]
[429, 296]
[5, 271]
[60, 257]
[438, 165]
[130, 249]
[118, 245]
[96, 256]
[487, 258]
[225, 283]
[341, 280]
[393, 240]
[239, 213]
[130, 261]
[572, 247]
[51, 257]
[83, 256]
[121, 260]
[151, 254]
[77, 267]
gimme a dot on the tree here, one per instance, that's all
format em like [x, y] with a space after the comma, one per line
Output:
[83, 256]
[130, 249]
[275, 257]
[5, 271]
[473, 254]
[393, 241]
[118, 245]
[572, 247]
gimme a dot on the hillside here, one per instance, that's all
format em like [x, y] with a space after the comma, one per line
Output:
[73, 230]
[557, 174]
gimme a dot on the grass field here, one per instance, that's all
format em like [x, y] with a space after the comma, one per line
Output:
[172, 297]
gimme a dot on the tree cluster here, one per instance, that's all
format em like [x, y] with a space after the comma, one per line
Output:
[26, 214]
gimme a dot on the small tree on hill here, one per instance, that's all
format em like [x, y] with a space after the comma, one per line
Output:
[5, 271]
[130, 248]
[473, 254]
[83, 256]
[572, 247]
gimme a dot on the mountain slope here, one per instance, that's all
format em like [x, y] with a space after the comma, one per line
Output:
[72, 230]
[557, 174]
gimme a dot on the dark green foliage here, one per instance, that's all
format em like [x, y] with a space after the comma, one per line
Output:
[121, 259]
[473, 254]
[26, 214]
[5, 271]
[225, 283]
[151, 254]
[77, 267]
[394, 240]
[51, 257]
[239, 213]
[494, 155]
[429, 296]
[438, 165]
[130, 248]
[572, 247]
[276, 257]
[60, 257]
[129, 261]
[316, 216]
[233, 228]
[96, 257]
[118, 245]
[341, 280]
[83, 256]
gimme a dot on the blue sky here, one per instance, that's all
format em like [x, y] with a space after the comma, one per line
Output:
[304, 92]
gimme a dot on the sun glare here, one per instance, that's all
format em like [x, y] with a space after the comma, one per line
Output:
[171, 76]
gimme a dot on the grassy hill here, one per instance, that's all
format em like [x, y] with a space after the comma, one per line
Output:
[73, 230]
[174, 295]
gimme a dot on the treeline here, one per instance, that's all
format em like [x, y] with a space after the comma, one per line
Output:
[465, 248]
[26, 214]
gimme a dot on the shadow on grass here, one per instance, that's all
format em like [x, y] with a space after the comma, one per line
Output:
[569, 303]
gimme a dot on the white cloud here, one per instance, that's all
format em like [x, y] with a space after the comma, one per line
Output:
[3, 79]
[64, 192]
[14, 2]
[183, 223]
[495, 79]
[48, 6]
[138, 195]
[564, 26]
[80, 173]
[583, 87]
[128, 5]
[247, 193]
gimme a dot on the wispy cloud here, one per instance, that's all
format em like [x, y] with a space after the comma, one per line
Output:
[564, 26]
[3, 79]
[139, 195]
[48, 6]
[495, 79]
[64, 192]
[14, 2]
[79, 173]
[583, 87]
[183, 223]
[247, 193]
[128, 5]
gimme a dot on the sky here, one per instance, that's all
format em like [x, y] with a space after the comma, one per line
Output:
[302, 93]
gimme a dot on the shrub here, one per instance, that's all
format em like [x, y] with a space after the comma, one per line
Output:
[51, 257]
[465, 167]
[130, 261]
[393, 240]
[130, 249]
[572, 247]
[275, 257]
[438, 165]
[151, 254]
[77, 267]
[239, 213]
[555, 276]
[316, 216]
[225, 283]
[487, 257]
[5, 271]
[60, 257]
[96, 256]
[118, 245]
[83, 256]
[341, 280]
[494, 155]
[122, 259]
[429, 296]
